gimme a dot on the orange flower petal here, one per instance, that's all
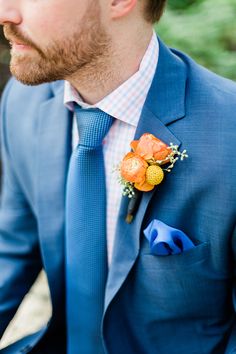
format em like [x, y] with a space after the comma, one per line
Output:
[128, 156]
[134, 145]
[133, 168]
[150, 147]
[144, 187]
[162, 153]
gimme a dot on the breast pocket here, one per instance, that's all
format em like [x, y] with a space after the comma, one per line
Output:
[181, 285]
[183, 260]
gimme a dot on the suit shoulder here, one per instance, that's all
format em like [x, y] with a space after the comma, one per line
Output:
[222, 88]
[21, 103]
[209, 93]
[206, 81]
[16, 94]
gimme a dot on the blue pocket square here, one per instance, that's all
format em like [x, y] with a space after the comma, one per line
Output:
[165, 240]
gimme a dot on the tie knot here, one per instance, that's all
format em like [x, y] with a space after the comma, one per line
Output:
[93, 125]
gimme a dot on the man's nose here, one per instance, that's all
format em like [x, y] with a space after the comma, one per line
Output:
[9, 13]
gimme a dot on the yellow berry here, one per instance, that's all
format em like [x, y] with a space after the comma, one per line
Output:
[154, 175]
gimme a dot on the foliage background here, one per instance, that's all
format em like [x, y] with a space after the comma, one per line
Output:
[204, 29]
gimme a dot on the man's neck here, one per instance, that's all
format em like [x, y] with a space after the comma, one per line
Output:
[97, 80]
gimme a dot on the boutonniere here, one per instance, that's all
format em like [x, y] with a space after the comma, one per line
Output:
[142, 169]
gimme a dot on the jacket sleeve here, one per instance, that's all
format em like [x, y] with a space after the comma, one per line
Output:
[231, 348]
[20, 260]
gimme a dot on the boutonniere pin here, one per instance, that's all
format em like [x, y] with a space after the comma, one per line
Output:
[142, 169]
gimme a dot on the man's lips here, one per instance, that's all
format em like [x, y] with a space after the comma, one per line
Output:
[16, 42]
[19, 45]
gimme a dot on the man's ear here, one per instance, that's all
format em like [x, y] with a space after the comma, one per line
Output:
[120, 8]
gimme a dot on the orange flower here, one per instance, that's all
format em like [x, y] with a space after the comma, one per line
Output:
[149, 147]
[133, 168]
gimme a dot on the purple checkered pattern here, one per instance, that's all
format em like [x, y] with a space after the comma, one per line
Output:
[125, 104]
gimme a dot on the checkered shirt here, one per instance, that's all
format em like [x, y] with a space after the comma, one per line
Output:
[125, 104]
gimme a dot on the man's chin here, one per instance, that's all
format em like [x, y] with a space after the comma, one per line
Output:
[30, 76]
[23, 77]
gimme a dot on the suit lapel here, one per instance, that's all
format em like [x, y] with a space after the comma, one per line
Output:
[53, 158]
[164, 105]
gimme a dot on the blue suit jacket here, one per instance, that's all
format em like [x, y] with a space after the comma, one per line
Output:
[154, 305]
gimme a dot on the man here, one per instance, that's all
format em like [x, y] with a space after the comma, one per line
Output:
[61, 204]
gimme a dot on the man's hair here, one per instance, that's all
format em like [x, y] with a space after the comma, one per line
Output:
[154, 10]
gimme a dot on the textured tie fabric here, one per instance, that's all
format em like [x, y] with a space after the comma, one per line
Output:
[125, 103]
[86, 250]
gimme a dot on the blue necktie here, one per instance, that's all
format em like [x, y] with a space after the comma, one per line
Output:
[86, 247]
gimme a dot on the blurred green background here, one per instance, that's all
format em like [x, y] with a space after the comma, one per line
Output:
[204, 29]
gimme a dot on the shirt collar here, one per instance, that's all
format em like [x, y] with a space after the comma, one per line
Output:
[125, 102]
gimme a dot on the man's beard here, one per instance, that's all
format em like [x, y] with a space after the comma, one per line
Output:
[80, 52]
